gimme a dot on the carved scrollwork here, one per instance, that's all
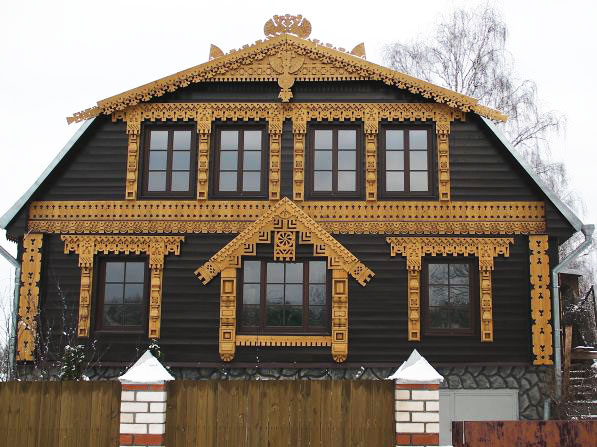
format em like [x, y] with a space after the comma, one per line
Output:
[287, 24]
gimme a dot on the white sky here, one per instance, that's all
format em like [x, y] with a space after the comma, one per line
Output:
[60, 57]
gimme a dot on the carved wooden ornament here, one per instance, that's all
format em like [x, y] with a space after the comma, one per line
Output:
[156, 247]
[540, 300]
[414, 248]
[284, 225]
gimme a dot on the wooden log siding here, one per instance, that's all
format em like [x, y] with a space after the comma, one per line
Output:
[377, 313]
[60, 414]
[291, 413]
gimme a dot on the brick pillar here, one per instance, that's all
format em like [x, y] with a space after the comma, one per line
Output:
[417, 403]
[143, 403]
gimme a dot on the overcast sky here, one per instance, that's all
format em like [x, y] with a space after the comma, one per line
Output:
[60, 57]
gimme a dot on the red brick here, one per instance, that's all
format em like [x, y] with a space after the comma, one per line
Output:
[149, 439]
[425, 439]
[127, 387]
[161, 387]
[126, 439]
[417, 386]
[402, 439]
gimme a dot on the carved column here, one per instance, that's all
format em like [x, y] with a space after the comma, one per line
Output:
[133, 129]
[86, 252]
[227, 313]
[339, 315]
[275, 136]
[486, 253]
[299, 130]
[413, 267]
[203, 131]
[540, 300]
[29, 296]
[371, 131]
[156, 265]
[442, 127]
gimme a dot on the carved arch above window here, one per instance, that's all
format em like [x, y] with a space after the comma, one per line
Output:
[283, 225]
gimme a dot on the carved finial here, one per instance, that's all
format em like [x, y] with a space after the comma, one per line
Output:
[215, 52]
[359, 51]
[288, 24]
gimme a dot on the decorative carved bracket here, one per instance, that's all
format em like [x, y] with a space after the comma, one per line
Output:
[414, 248]
[540, 300]
[29, 296]
[287, 222]
[156, 247]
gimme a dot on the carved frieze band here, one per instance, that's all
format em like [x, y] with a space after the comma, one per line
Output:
[283, 340]
[156, 247]
[540, 300]
[29, 296]
[414, 248]
[358, 217]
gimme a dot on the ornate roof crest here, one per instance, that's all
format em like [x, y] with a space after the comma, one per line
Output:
[287, 24]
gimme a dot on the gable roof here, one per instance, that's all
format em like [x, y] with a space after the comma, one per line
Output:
[261, 62]
[285, 217]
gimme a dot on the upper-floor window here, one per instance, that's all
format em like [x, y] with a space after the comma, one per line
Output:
[405, 161]
[122, 292]
[240, 161]
[284, 296]
[334, 159]
[169, 161]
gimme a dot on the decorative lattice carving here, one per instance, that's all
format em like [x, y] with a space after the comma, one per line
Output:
[156, 247]
[414, 248]
[253, 64]
[283, 340]
[358, 217]
[299, 130]
[287, 24]
[442, 127]
[287, 222]
[203, 131]
[275, 143]
[371, 120]
[540, 300]
[29, 296]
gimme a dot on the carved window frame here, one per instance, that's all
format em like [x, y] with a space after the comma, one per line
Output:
[142, 187]
[432, 170]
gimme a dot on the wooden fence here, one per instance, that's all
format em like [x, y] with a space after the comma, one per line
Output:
[59, 414]
[280, 413]
[525, 434]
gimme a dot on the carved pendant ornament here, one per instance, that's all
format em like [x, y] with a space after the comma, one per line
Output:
[288, 224]
[414, 248]
[540, 300]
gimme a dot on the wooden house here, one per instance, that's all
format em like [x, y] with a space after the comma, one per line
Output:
[291, 209]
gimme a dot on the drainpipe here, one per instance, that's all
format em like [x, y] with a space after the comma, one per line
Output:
[587, 230]
[12, 338]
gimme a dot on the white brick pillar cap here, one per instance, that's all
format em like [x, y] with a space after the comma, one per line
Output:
[416, 370]
[146, 370]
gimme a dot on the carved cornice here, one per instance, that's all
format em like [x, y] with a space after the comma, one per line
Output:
[285, 216]
[156, 247]
[540, 300]
[318, 63]
[359, 217]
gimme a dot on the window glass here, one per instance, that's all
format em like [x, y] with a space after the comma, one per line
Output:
[182, 140]
[418, 139]
[123, 294]
[169, 164]
[406, 160]
[158, 140]
[156, 181]
[334, 160]
[323, 139]
[229, 140]
[240, 161]
[449, 296]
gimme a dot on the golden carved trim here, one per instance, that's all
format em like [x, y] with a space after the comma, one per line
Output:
[414, 248]
[29, 296]
[283, 340]
[442, 128]
[203, 131]
[339, 315]
[319, 63]
[287, 24]
[133, 129]
[275, 144]
[299, 130]
[156, 247]
[371, 121]
[540, 300]
[358, 217]
[227, 313]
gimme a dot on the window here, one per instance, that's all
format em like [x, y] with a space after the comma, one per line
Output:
[240, 162]
[122, 295]
[334, 161]
[284, 297]
[169, 162]
[405, 161]
[448, 296]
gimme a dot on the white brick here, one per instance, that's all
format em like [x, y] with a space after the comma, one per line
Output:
[151, 396]
[157, 407]
[402, 394]
[431, 428]
[402, 416]
[133, 428]
[157, 429]
[425, 417]
[402, 427]
[126, 418]
[154, 418]
[432, 406]
[409, 405]
[133, 407]
[127, 396]
[419, 395]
